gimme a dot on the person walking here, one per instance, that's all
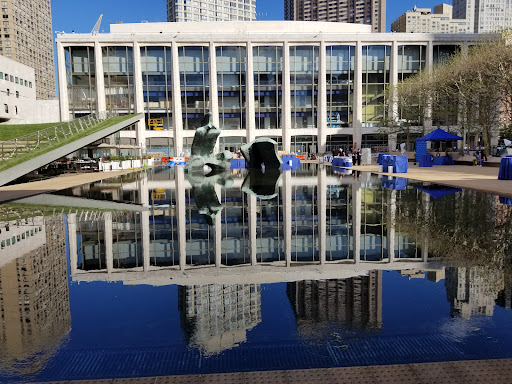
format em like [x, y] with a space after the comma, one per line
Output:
[358, 157]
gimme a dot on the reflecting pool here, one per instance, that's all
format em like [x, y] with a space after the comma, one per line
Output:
[161, 273]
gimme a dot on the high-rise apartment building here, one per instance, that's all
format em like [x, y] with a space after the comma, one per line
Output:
[216, 317]
[353, 303]
[484, 15]
[211, 10]
[372, 12]
[27, 37]
[34, 295]
[422, 20]
[472, 291]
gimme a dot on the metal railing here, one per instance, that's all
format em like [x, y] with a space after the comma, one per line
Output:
[49, 136]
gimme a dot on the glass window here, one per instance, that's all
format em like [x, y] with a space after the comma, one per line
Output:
[231, 67]
[194, 84]
[157, 86]
[118, 74]
[304, 85]
[81, 79]
[268, 70]
[340, 63]
[375, 81]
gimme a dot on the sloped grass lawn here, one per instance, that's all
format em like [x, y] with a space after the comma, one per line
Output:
[12, 131]
[37, 152]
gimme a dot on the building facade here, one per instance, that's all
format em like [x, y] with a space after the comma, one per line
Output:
[27, 37]
[422, 20]
[34, 295]
[371, 12]
[18, 101]
[310, 86]
[216, 317]
[484, 15]
[354, 303]
[211, 10]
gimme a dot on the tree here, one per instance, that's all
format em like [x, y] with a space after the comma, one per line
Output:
[473, 89]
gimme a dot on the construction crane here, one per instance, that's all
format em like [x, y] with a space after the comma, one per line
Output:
[96, 28]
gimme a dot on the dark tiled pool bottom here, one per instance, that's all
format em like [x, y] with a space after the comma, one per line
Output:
[469, 371]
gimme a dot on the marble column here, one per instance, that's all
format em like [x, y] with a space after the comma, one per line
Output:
[286, 191]
[177, 111]
[140, 126]
[217, 228]
[250, 121]
[322, 100]
[72, 241]
[252, 205]
[356, 220]
[357, 121]
[146, 235]
[287, 99]
[101, 104]
[214, 95]
[391, 224]
[321, 200]
[181, 220]
[109, 241]
[63, 83]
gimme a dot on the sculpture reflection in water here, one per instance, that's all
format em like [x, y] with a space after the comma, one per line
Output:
[203, 189]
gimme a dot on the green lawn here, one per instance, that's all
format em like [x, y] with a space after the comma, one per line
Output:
[22, 157]
[12, 131]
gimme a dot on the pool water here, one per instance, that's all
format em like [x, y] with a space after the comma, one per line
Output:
[161, 273]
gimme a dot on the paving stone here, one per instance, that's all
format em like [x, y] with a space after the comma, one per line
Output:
[266, 377]
[224, 378]
[136, 380]
[179, 379]
[497, 371]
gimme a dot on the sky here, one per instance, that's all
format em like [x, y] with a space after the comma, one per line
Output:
[81, 16]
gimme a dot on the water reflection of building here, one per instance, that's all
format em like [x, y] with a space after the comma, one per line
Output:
[505, 296]
[472, 291]
[434, 275]
[34, 300]
[316, 218]
[216, 317]
[353, 303]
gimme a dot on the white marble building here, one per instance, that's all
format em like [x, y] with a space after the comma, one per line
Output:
[310, 86]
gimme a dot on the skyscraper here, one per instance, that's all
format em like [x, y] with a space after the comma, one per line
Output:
[215, 317]
[422, 20]
[372, 12]
[34, 295]
[484, 15]
[211, 10]
[27, 37]
[353, 303]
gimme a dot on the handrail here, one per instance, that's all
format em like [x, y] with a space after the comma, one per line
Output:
[11, 148]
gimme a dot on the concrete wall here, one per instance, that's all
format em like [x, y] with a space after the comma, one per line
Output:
[18, 103]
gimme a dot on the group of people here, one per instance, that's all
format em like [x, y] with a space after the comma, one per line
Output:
[356, 155]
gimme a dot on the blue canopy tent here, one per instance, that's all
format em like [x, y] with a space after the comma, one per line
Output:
[440, 135]
[437, 135]
[438, 191]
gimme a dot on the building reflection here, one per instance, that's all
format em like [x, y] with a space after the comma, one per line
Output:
[216, 317]
[473, 291]
[316, 219]
[34, 293]
[353, 304]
